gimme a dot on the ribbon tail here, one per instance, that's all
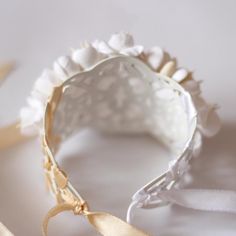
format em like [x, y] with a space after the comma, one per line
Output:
[5, 70]
[109, 225]
[202, 199]
[4, 231]
[53, 212]
[11, 135]
[104, 223]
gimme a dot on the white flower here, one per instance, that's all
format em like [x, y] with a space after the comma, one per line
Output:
[64, 68]
[87, 57]
[133, 51]
[31, 116]
[103, 47]
[26, 114]
[192, 86]
[45, 83]
[209, 122]
[154, 57]
[123, 43]
[120, 43]
[180, 75]
[197, 144]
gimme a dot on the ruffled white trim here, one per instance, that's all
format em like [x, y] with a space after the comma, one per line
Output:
[208, 120]
[154, 57]
[89, 55]
[120, 43]
[180, 75]
[65, 67]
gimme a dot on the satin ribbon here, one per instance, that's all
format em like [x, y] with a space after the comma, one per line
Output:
[104, 223]
[11, 135]
[5, 70]
[202, 199]
[212, 200]
[108, 225]
[4, 231]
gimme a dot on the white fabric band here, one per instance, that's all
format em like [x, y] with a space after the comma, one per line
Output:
[117, 86]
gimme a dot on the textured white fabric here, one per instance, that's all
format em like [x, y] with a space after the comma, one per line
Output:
[123, 95]
[89, 55]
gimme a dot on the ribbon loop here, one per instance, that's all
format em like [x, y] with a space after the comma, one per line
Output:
[80, 208]
[53, 212]
[104, 223]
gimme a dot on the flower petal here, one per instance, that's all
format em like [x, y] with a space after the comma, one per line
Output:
[180, 75]
[87, 57]
[103, 47]
[154, 57]
[121, 41]
[168, 69]
[29, 118]
[133, 51]
[26, 116]
[210, 122]
[197, 146]
[44, 86]
[64, 67]
[192, 86]
[50, 75]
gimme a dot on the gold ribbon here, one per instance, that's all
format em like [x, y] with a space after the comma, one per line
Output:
[11, 135]
[5, 70]
[4, 231]
[104, 223]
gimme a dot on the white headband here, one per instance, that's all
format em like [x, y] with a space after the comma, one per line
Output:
[116, 86]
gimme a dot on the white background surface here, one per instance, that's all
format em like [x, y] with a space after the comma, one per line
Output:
[201, 34]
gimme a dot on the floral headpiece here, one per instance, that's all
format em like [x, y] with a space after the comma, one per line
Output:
[117, 86]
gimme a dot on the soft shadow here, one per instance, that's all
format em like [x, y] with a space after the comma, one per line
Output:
[215, 168]
[108, 169]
